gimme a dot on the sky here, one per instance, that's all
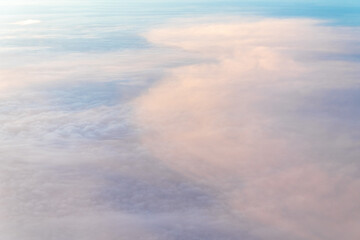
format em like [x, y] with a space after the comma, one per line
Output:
[173, 120]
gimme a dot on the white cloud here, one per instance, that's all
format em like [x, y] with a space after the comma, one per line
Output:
[27, 22]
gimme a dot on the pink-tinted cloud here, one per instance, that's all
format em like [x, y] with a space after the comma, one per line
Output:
[220, 123]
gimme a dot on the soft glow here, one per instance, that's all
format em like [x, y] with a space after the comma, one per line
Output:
[196, 120]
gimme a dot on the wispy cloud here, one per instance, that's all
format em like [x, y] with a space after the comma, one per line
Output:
[27, 22]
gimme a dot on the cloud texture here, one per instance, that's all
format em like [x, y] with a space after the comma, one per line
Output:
[221, 129]
[240, 125]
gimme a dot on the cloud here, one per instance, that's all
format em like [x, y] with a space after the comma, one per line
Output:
[27, 22]
[74, 168]
[222, 129]
[238, 124]
[71, 158]
[132, 67]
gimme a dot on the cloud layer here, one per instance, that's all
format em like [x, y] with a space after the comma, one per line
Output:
[240, 125]
[221, 128]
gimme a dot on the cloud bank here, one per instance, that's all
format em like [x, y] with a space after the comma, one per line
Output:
[242, 126]
[221, 129]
